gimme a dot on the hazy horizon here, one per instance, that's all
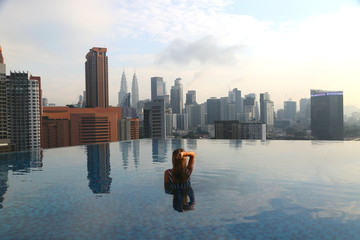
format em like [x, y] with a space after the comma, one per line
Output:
[283, 48]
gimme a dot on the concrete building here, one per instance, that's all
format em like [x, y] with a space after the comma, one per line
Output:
[24, 110]
[176, 97]
[96, 75]
[64, 126]
[327, 115]
[128, 129]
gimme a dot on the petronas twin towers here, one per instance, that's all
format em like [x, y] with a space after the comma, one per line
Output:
[124, 99]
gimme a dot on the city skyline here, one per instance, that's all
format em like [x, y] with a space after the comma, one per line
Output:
[296, 48]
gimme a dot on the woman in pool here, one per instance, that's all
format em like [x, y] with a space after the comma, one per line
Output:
[177, 180]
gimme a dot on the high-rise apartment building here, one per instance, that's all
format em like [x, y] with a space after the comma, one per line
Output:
[123, 94]
[134, 92]
[96, 75]
[24, 110]
[176, 97]
[327, 116]
[3, 103]
[157, 87]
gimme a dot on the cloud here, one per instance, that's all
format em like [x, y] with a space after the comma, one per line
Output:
[204, 50]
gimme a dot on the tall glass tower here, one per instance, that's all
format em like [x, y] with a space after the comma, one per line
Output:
[123, 90]
[134, 91]
[327, 121]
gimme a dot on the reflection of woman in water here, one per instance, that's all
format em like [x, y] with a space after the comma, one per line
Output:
[177, 180]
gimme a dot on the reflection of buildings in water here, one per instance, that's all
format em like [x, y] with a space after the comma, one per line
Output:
[159, 150]
[125, 146]
[236, 144]
[3, 181]
[19, 163]
[177, 143]
[191, 144]
[136, 152]
[98, 164]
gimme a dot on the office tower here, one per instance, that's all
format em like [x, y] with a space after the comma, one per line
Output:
[84, 99]
[176, 95]
[213, 110]
[327, 121]
[24, 110]
[263, 97]
[96, 74]
[98, 166]
[267, 111]
[196, 116]
[1, 56]
[122, 95]
[253, 131]
[235, 97]
[290, 110]
[134, 92]
[305, 112]
[190, 97]
[157, 87]
[249, 106]
[158, 121]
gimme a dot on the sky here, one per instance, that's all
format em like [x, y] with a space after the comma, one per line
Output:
[282, 47]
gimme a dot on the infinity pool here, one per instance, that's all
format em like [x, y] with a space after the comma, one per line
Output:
[243, 190]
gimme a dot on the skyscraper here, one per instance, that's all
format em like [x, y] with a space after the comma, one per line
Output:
[24, 109]
[176, 97]
[267, 111]
[1, 56]
[157, 87]
[96, 75]
[190, 97]
[213, 110]
[290, 110]
[134, 91]
[3, 101]
[327, 121]
[235, 97]
[122, 95]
